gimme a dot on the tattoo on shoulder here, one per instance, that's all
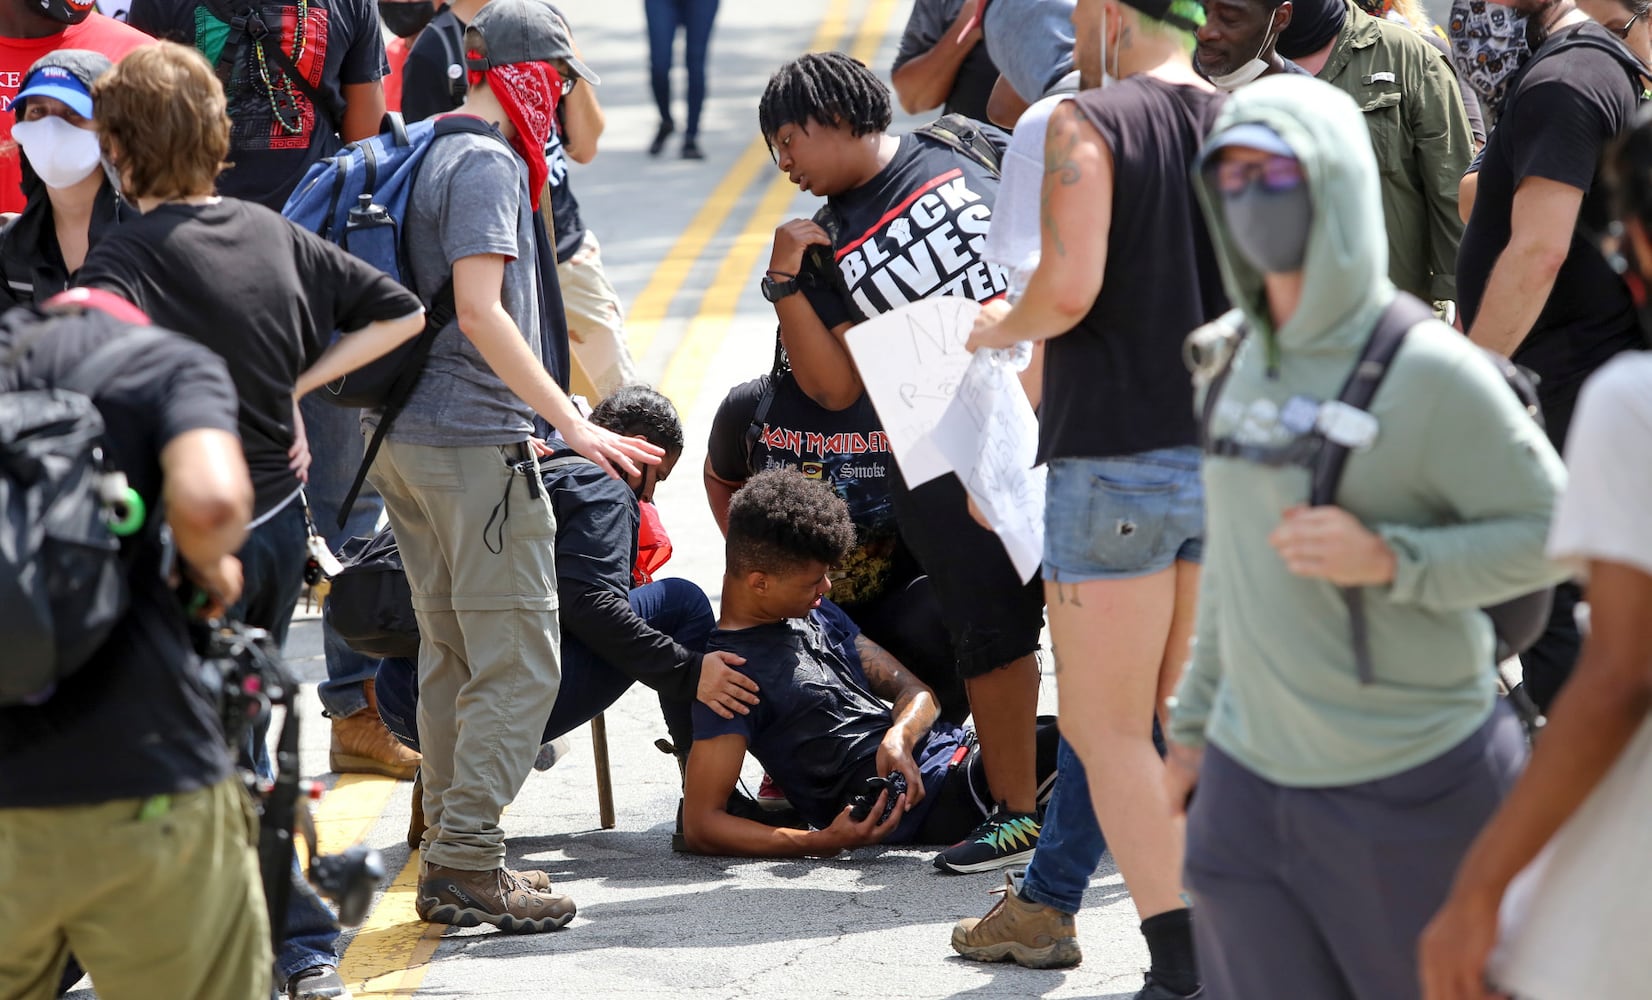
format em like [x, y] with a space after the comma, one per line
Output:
[1060, 169]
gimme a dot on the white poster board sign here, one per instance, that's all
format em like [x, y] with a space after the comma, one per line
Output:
[911, 361]
[989, 436]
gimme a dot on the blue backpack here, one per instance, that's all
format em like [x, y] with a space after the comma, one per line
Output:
[358, 198]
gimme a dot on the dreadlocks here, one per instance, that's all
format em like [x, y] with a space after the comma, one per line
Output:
[831, 88]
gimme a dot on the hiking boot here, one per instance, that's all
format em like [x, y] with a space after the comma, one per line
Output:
[1152, 989]
[415, 823]
[1018, 930]
[532, 878]
[362, 745]
[1002, 840]
[465, 899]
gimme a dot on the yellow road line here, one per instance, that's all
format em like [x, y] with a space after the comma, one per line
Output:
[391, 952]
[686, 371]
[643, 319]
[350, 809]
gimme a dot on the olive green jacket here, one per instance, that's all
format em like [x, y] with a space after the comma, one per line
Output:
[1420, 134]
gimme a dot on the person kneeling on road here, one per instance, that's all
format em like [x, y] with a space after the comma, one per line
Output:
[614, 634]
[822, 727]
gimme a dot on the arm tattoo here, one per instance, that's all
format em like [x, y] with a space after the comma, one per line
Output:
[1059, 169]
[884, 674]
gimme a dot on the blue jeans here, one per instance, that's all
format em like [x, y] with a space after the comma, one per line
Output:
[664, 18]
[272, 567]
[589, 685]
[336, 448]
[1070, 843]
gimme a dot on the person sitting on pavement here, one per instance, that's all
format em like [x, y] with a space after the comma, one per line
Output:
[613, 634]
[822, 726]
[771, 423]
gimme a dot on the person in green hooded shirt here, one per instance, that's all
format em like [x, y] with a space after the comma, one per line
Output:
[1333, 808]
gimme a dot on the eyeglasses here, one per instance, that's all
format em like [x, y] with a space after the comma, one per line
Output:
[1275, 174]
[1623, 32]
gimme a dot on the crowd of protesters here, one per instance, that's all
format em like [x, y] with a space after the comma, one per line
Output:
[1334, 318]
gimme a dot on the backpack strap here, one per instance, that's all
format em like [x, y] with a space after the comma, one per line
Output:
[248, 24]
[781, 368]
[1403, 313]
[966, 136]
[1213, 388]
[457, 86]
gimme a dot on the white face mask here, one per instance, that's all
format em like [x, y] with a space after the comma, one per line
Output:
[62, 154]
[1249, 71]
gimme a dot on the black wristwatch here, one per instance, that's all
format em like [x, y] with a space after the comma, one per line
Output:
[774, 290]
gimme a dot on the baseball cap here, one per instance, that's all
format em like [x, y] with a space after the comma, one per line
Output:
[65, 75]
[1249, 135]
[519, 31]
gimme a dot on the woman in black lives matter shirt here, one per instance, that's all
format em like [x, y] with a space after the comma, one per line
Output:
[912, 216]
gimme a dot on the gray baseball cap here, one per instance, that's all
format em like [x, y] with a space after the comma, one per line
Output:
[519, 31]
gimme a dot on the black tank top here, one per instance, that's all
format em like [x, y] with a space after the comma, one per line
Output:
[1115, 384]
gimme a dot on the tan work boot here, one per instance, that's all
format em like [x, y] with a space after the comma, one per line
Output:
[362, 745]
[466, 898]
[1023, 932]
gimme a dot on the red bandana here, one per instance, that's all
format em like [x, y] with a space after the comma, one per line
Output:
[529, 93]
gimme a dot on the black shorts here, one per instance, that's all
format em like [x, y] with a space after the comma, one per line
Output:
[992, 616]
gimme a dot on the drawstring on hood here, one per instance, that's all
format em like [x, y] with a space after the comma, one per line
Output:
[1345, 276]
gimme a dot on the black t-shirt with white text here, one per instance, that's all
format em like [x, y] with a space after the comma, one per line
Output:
[1563, 109]
[136, 720]
[262, 293]
[912, 232]
[276, 132]
[846, 448]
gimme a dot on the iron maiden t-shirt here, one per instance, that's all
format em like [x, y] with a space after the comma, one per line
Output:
[913, 232]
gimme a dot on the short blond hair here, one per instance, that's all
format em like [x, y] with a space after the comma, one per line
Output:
[162, 115]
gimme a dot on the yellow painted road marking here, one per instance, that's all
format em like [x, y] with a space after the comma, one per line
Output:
[646, 314]
[686, 371]
[350, 809]
[391, 952]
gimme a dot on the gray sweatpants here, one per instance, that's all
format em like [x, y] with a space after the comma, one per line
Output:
[1322, 892]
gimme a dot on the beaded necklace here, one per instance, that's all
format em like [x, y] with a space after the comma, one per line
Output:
[281, 94]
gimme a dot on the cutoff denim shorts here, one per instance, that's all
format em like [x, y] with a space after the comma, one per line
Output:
[1123, 517]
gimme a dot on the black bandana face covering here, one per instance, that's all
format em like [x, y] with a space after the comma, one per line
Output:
[406, 19]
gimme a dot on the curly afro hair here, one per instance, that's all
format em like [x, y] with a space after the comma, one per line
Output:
[637, 409]
[830, 87]
[781, 520]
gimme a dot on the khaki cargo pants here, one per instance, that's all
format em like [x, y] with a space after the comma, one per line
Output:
[596, 320]
[163, 903]
[479, 549]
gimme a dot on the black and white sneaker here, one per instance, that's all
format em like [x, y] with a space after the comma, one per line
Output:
[1003, 840]
[1152, 989]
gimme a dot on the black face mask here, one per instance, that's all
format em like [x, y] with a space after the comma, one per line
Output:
[67, 11]
[406, 19]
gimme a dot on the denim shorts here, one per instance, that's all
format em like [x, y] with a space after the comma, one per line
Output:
[1123, 517]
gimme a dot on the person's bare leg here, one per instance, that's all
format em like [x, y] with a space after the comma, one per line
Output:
[1005, 706]
[1179, 647]
[1110, 640]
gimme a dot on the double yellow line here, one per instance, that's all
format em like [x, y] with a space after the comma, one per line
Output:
[390, 954]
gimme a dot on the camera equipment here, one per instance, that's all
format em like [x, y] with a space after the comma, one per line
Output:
[861, 805]
[243, 668]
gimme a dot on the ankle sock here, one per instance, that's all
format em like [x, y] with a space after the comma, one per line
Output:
[1170, 950]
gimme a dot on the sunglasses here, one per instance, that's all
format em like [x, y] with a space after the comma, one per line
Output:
[1623, 32]
[1275, 174]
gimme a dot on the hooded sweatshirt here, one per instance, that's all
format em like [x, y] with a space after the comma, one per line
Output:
[1460, 484]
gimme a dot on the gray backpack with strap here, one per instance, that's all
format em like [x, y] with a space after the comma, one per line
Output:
[1518, 623]
[63, 510]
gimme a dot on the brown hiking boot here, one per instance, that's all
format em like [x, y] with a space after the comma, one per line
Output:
[466, 898]
[1023, 932]
[532, 878]
[362, 745]
[415, 823]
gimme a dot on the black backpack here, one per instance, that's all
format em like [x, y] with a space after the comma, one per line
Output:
[370, 605]
[1518, 622]
[63, 510]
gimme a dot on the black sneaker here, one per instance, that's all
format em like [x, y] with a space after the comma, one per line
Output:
[660, 135]
[1002, 840]
[1152, 989]
[692, 150]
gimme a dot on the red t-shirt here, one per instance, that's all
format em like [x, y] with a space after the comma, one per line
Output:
[395, 52]
[97, 34]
